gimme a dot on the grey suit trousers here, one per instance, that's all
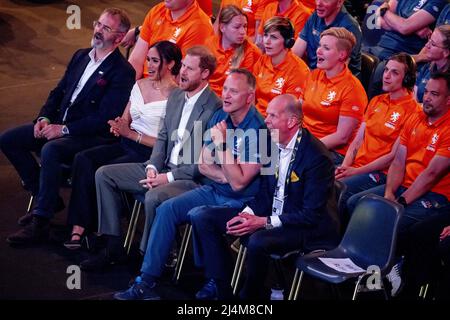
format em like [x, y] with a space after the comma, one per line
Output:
[111, 180]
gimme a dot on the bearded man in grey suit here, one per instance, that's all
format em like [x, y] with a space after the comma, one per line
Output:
[171, 169]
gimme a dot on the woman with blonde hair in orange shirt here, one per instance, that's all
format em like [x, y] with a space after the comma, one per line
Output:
[334, 100]
[230, 46]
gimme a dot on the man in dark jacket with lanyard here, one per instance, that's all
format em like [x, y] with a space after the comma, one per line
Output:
[295, 208]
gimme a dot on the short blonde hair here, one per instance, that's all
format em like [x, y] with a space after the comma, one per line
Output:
[346, 39]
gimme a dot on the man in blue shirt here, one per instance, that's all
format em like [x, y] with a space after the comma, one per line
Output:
[407, 24]
[230, 159]
[328, 14]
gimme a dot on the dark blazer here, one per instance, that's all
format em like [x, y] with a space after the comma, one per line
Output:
[206, 105]
[103, 97]
[311, 202]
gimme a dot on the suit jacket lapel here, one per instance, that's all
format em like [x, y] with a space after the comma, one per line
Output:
[98, 74]
[297, 167]
[78, 72]
[178, 103]
[197, 111]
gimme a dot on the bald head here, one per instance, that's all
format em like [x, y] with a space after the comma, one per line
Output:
[284, 117]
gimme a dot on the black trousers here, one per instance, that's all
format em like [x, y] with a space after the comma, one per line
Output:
[83, 201]
[18, 145]
[213, 253]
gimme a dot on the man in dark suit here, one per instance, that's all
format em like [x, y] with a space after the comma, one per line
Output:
[94, 89]
[295, 208]
[171, 169]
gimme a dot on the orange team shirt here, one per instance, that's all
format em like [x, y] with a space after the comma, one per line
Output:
[288, 77]
[384, 120]
[251, 55]
[324, 100]
[252, 8]
[192, 28]
[423, 141]
[311, 4]
[297, 13]
[206, 6]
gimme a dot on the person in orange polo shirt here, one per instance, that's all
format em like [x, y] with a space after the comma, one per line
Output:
[278, 71]
[179, 21]
[373, 148]
[334, 99]
[230, 46]
[419, 177]
[253, 9]
[310, 4]
[292, 9]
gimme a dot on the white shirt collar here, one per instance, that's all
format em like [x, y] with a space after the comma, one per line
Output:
[92, 56]
[290, 145]
[192, 100]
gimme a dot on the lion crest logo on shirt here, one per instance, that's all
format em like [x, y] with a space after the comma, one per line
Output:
[176, 34]
[330, 97]
[279, 83]
[432, 146]
[392, 120]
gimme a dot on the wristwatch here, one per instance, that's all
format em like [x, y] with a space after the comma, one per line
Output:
[402, 201]
[268, 224]
[221, 146]
[65, 130]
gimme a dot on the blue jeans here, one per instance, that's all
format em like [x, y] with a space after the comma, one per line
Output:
[420, 209]
[174, 212]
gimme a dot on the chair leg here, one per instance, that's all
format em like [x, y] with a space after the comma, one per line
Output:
[240, 267]
[423, 291]
[182, 253]
[297, 287]
[294, 283]
[132, 226]
[358, 283]
[30, 203]
[236, 265]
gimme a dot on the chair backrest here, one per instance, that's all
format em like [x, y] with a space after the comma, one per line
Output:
[372, 231]
[368, 64]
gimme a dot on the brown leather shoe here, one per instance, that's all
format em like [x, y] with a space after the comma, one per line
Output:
[36, 231]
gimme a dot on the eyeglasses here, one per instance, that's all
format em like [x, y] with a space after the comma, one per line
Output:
[433, 44]
[103, 27]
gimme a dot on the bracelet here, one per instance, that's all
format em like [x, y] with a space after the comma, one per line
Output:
[139, 138]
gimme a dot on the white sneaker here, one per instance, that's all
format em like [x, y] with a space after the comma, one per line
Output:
[395, 278]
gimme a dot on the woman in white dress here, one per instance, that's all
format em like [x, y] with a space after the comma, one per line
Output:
[137, 129]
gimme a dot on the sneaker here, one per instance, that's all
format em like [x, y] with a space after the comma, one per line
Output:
[395, 279]
[35, 232]
[140, 290]
[208, 292]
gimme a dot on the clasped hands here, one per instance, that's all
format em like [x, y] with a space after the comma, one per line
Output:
[154, 179]
[44, 130]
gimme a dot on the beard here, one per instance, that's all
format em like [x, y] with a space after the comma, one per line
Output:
[190, 86]
[98, 41]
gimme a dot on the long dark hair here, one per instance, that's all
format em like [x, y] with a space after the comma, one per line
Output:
[168, 52]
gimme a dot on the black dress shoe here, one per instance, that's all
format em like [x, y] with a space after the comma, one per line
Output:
[26, 218]
[36, 231]
[208, 292]
[101, 261]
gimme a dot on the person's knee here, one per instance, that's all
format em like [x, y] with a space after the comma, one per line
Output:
[51, 151]
[256, 244]
[153, 198]
[9, 139]
[201, 215]
[102, 175]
